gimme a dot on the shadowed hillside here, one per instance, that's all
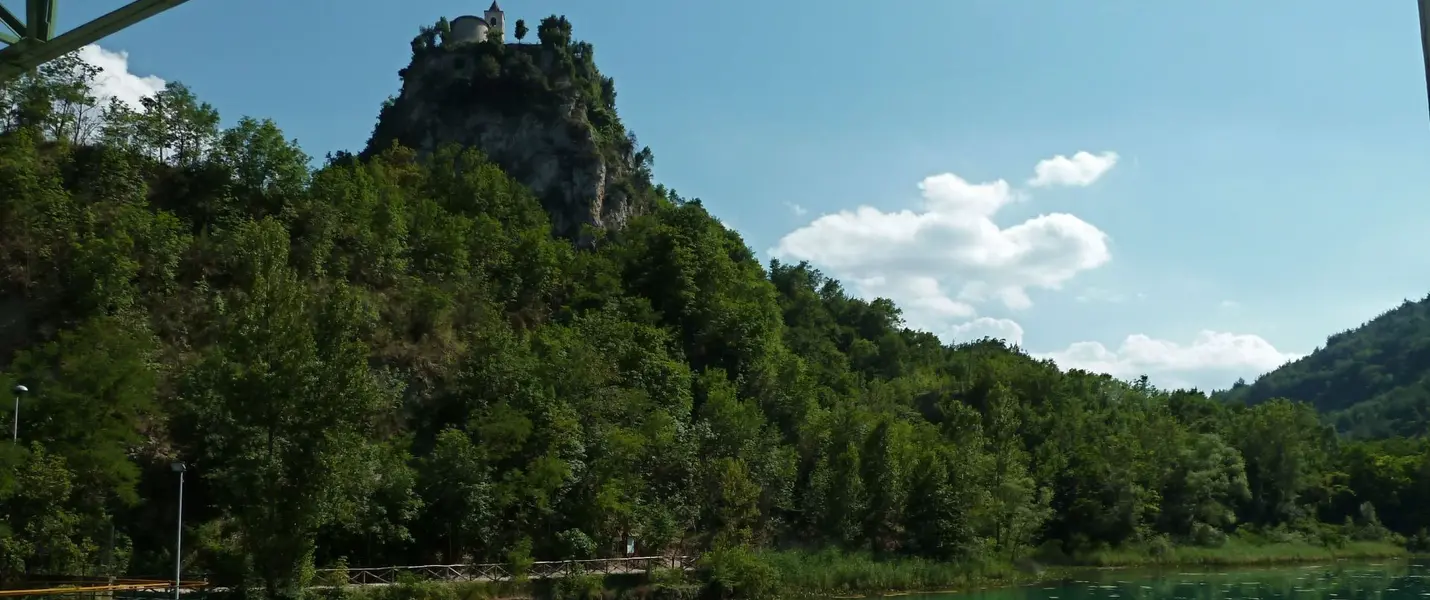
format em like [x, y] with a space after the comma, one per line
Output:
[1371, 381]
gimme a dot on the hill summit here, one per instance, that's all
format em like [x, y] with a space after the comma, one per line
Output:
[1372, 381]
[541, 111]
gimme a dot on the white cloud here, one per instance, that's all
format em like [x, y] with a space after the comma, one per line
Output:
[799, 211]
[941, 259]
[115, 80]
[1096, 294]
[1002, 329]
[1213, 360]
[937, 261]
[1083, 169]
[916, 294]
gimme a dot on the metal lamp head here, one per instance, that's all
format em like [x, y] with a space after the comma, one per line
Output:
[20, 389]
[179, 467]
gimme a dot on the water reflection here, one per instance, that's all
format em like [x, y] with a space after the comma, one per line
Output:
[1391, 580]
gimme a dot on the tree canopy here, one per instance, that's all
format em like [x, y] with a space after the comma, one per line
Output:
[1370, 382]
[392, 360]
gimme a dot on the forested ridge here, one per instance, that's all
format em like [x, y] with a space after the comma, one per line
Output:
[1371, 382]
[392, 360]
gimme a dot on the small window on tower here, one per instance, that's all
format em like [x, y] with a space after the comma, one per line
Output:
[494, 21]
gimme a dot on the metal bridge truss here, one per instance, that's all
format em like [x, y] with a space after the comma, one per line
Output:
[1425, 41]
[32, 42]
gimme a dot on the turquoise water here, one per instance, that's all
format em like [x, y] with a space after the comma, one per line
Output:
[1389, 580]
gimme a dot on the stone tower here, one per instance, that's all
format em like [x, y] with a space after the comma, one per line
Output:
[470, 29]
[496, 20]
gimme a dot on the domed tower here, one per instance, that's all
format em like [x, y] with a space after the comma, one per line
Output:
[496, 20]
[468, 29]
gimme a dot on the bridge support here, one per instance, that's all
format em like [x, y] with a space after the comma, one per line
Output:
[1425, 42]
[32, 42]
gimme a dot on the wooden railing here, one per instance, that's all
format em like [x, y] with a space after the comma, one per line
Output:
[546, 569]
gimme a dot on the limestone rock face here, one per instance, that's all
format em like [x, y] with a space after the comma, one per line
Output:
[525, 108]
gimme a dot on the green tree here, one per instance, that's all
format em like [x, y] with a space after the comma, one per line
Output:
[460, 511]
[1205, 486]
[282, 407]
[41, 535]
[1016, 506]
[444, 30]
[397, 358]
[96, 385]
[1284, 448]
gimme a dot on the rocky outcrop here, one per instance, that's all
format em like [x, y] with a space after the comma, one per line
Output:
[540, 111]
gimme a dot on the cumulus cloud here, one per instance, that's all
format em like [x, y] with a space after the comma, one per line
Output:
[919, 295]
[1083, 169]
[798, 210]
[948, 254]
[1001, 329]
[115, 80]
[1213, 360]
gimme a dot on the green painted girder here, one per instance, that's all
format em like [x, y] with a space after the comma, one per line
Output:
[11, 22]
[1425, 42]
[33, 43]
[40, 19]
[39, 23]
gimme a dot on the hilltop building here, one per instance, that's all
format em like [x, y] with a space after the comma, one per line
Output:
[471, 28]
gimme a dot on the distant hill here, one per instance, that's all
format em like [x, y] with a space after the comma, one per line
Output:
[1371, 381]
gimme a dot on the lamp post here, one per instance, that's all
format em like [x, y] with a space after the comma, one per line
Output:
[179, 467]
[19, 390]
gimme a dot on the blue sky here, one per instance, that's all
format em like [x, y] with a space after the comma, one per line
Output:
[1270, 183]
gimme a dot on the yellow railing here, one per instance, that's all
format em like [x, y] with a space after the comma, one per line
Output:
[118, 585]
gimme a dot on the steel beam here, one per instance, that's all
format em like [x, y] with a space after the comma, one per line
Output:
[11, 22]
[34, 50]
[1425, 43]
[40, 19]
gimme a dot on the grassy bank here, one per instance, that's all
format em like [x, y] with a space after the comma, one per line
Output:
[1240, 553]
[835, 574]
[839, 574]
[665, 585]
[832, 573]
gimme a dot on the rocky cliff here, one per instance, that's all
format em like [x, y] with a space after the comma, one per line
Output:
[543, 112]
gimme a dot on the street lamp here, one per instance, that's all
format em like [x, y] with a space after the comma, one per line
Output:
[19, 390]
[179, 467]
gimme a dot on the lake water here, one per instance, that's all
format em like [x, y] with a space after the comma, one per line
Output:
[1388, 580]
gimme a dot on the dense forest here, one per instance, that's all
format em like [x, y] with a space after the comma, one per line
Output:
[391, 359]
[1371, 382]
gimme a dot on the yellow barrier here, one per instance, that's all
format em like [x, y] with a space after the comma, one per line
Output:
[130, 586]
